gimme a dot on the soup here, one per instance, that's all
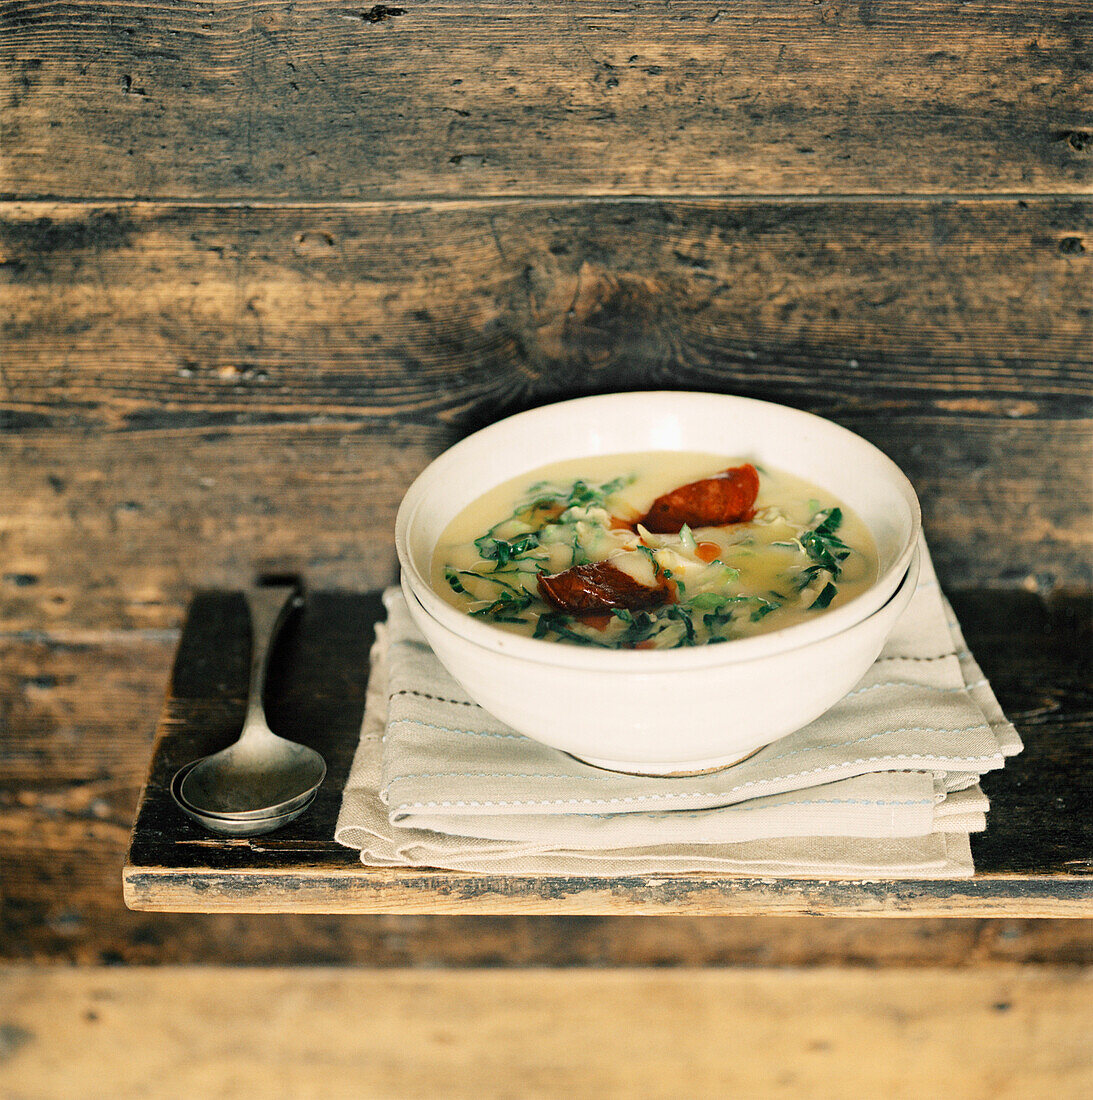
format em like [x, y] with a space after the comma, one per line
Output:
[653, 550]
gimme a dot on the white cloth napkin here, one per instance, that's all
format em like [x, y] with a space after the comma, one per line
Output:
[885, 785]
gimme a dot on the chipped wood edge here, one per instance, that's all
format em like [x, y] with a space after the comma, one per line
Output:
[397, 890]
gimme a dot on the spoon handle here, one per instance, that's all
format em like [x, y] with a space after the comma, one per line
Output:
[268, 607]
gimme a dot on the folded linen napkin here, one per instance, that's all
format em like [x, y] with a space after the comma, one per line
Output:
[883, 785]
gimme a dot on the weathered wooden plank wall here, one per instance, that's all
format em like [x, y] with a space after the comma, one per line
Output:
[309, 99]
[261, 261]
[198, 392]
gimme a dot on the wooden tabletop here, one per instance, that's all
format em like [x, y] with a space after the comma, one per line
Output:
[1033, 860]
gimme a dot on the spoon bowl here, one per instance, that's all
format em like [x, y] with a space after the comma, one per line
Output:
[261, 776]
[232, 826]
[245, 815]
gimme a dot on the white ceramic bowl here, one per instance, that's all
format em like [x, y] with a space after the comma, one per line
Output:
[651, 710]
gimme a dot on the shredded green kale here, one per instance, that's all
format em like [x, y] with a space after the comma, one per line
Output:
[827, 552]
[507, 607]
[503, 551]
[580, 494]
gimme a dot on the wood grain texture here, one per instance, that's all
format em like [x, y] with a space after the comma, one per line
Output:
[317, 1033]
[312, 100]
[1035, 863]
[77, 721]
[191, 394]
[149, 316]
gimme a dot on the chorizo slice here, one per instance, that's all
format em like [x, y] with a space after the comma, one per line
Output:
[600, 586]
[727, 497]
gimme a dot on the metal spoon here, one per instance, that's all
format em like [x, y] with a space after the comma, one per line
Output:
[261, 775]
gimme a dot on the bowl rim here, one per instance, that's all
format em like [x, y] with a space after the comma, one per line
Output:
[549, 652]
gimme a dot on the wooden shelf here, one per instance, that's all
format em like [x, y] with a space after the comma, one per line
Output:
[1035, 859]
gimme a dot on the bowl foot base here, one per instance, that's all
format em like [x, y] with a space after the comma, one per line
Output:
[670, 770]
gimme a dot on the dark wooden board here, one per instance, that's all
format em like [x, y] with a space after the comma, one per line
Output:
[1033, 860]
[78, 716]
[315, 100]
[192, 394]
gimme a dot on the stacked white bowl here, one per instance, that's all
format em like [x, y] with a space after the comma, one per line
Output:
[679, 710]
